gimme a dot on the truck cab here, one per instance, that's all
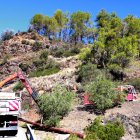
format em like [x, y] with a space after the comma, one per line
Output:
[10, 105]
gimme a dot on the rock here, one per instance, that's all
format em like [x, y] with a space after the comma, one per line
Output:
[62, 137]
[131, 125]
[41, 92]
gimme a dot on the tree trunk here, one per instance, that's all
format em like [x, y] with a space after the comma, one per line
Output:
[60, 33]
[81, 38]
[75, 39]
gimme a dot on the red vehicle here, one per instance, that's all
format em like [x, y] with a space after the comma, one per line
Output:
[130, 90]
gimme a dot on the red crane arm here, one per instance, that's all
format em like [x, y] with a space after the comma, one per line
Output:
[27, 86]
[25, 82]
[2, 83]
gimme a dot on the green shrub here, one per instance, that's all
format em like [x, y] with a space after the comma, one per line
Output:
[39, 63]
[37, 46]
[55, 105]
[101, 92]
[3, 61]
[24, 66]
[75, 50]
[71, 51]
[8, 34]
[44, 67]
[26, 42]
[120, 59]
[120, 98]
[65, 51]
[42, 72]
[87, 73]
[116, 71]
[18, 86]
[51, 64]
[114, 67]
[35, 36]
[47, 46]
[135, 82]
[58, 52]
[109, 131]
[44, 55]
[73, 137]
[85, 54]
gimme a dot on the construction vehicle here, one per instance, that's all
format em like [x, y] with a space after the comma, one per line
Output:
[10, 106]
[9, 113]
[129, 90]
[24, 81]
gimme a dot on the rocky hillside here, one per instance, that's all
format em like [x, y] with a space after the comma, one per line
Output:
[25, 48]
[18, 49]
[21, 43]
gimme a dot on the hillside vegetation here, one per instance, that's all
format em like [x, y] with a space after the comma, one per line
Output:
[82, 57]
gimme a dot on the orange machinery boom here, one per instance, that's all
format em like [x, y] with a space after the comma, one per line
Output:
[25, 82]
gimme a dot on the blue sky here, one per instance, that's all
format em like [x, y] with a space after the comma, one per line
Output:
[16, 14]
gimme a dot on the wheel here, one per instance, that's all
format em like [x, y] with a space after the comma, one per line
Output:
[12, 133]
[2, 134]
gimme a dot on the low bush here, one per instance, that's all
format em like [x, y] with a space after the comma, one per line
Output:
[68, 53]
[87, 73]
[39, 63]
[42, 72]
[24, 66]
[116, 71]
[44, 67]
[110, 131]
[58, 52]
[3, 61]
[44, 55]
[6, 35]
[51, 64]
[135, 82]
[37, 46]
[26, 42]
[18, 86]
[73, 137]
[55, 105]
[75, 50]
[47, 46]
[121, 59]
[65, 51]
[85, 54]
[101, 92]
[35, 36]
[121, 97]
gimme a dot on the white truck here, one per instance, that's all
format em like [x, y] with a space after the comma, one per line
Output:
[10, 105]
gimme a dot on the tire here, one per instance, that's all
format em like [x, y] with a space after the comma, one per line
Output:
[12, 133]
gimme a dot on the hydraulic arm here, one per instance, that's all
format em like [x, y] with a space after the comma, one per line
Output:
[24, 81]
